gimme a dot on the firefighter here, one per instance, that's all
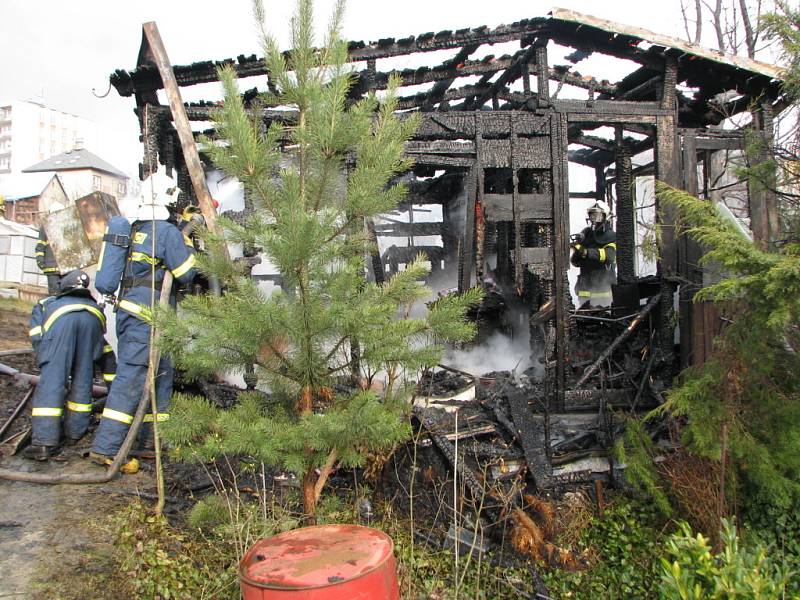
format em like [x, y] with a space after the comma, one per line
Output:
[46, 260]
[594, 251]
[67, 336]
[136, 262]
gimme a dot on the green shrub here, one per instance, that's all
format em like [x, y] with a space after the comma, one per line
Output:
[625, 546]
[154, 559]
[693, 571]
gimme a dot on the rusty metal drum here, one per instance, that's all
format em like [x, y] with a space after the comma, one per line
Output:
[334, 562]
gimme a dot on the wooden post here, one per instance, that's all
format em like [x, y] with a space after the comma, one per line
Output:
[668, 171]
[559, 145]
[159, 57]
[625, 210]
[763, 206]
[690, 249]
[467, 249]
[542, 72]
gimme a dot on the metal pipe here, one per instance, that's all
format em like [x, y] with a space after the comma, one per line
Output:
[16, 412]
[620, 338]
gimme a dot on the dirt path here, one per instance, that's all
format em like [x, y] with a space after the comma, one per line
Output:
[55, 542]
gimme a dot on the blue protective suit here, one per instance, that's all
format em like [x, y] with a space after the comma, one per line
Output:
[153, 247]
[67, 335]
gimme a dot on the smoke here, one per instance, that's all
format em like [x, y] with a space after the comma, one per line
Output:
[500, 352]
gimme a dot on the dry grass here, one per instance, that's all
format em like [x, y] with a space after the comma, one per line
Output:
[694, 488]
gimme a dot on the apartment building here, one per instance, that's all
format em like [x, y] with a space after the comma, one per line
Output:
[31, 132]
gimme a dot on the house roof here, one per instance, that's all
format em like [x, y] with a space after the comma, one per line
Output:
[74, 160]
[580, 21]
[12, 228]
[26, 185]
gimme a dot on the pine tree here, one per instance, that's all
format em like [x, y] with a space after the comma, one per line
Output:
[743, 404]
[314, 182]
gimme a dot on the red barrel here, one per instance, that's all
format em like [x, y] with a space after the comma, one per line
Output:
[334, 562]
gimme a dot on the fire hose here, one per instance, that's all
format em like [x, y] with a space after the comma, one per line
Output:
[133, 431]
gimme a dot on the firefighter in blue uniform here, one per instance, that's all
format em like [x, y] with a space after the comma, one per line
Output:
[67, 334]
[136, 262]
[594, 250]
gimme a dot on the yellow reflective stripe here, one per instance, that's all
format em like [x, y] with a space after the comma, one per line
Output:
[131, 307]
[188, 241]
[75, 407]
[611, 245]
[43, 242]
[146, 258]
[50, 270]
[578, 246]
[160, 417]
[40, 254]
[35, 331]
[109, 377]
[73, 308]
[602, 253]
[184, 268]
[115, 415]
[46, 412]
[600, 294]
[107, 348]
[584, 294]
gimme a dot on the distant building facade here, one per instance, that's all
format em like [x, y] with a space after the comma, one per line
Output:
[31, 132]
[33, 197]
[81, 172]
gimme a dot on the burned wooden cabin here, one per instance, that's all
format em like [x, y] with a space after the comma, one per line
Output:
[499, 139]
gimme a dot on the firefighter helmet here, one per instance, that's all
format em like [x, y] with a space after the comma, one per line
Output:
[159, 190]
[598, 212]
[74, 280]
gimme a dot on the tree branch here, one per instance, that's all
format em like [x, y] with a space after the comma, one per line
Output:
[324, 473]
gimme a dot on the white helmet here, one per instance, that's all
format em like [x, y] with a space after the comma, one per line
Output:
[159, 190]
[596, 210]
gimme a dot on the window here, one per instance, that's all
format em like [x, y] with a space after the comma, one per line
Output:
[97, 182]
[121, 188]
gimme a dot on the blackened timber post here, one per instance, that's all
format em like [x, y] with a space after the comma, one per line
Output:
[625, 209]
[691, 330]
[188, 146]
[526, 78]
[667, 171]
[559, 144]
[467, 245]
[517, 208]
[480, 215]
[542, 72]
[600, 182]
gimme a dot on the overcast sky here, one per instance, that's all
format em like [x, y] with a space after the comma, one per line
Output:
[62, 50]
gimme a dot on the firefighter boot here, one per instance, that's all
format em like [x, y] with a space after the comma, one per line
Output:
[129, 468]
[36, 452]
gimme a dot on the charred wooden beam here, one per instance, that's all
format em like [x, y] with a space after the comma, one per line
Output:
[437, 92]
[513, 72]
[408, 229]
[592, 142]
